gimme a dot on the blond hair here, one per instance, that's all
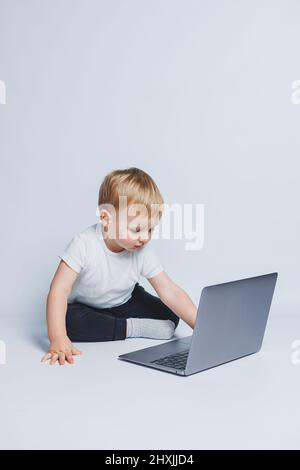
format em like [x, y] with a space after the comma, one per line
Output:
[134, 183]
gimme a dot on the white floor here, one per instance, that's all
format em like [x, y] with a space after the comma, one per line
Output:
[104, 403]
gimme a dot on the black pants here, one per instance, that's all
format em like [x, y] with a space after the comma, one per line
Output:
[85, 323]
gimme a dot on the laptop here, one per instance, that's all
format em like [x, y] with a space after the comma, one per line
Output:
[230, 324]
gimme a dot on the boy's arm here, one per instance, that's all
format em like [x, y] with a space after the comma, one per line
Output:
[57, 299]
[174, 297]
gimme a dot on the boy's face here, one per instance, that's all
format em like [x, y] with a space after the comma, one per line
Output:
[131, 232]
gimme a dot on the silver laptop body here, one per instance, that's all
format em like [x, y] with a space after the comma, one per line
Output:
[230, 324]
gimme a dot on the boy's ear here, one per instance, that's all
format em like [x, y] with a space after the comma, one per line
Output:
[105, 217]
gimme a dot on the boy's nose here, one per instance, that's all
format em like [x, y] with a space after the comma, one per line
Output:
[143, 238]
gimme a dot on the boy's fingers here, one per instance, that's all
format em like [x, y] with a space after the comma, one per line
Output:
[76, 351]
[46, 357]
[54, 359]
[61, 357]
[69, 357]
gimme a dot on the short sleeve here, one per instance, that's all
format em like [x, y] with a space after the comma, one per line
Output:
[151, 265]
[74, 254]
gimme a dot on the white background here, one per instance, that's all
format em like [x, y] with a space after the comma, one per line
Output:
[198, 94]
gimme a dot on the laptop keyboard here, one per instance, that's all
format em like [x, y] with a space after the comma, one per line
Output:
[176, 361]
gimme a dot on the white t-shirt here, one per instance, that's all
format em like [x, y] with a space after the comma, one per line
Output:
[106, 278]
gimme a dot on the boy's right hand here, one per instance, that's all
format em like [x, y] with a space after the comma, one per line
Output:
[61, 350]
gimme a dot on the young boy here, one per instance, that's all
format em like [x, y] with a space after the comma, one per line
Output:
[95, 293]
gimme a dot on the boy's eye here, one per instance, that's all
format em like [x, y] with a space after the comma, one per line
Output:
[138, 229]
